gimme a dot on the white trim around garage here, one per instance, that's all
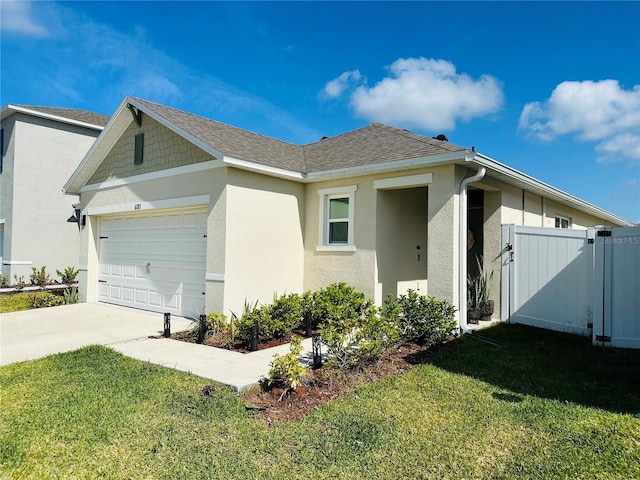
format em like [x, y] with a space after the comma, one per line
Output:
[134, 207]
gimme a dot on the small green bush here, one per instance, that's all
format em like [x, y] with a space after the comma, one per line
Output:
[71, 295]
[277, 320]
[20, 283]
[420, 318]
[40, 277]
[287, 370]
[217, 322]
[4, 281]
[348, 325]
[44, 300]
[285, 314]
[68, 276]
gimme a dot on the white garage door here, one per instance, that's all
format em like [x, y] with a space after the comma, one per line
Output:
[154, 261]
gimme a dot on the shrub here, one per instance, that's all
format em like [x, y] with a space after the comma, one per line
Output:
[277, 320]
[285, 314]
[217, 322]
[349, 326]
[287, 370]
[421, 319]
[44, 300]
[68, 276]
[4, 281]
[71, 295]
[20, 283]
[40, 277]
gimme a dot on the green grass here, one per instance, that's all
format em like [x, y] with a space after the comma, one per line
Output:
[545, 405]
[15, 302]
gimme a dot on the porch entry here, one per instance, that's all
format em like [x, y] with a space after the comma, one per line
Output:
[401, 240]
[575, 281]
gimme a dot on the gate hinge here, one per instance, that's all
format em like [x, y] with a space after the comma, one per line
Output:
[102, 238]
[205, 235]
[604, 233]
[591, 240]
[590, 325]
[102, 281]
[603, 338]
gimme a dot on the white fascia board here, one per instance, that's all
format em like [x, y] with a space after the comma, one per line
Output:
[546, 189]
[390, 166]
[10, 109]
[145, 177]
[139, 207]
[265, 169]
[86, 166]
[183, 133]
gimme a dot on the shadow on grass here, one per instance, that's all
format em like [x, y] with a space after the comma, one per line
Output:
[547, 364]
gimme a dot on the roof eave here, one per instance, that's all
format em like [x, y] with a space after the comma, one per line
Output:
[546, 189]
[10, 109]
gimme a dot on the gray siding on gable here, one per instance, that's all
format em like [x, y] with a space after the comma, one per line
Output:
[163, 149]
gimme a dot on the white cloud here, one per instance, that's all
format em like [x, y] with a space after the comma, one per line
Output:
[17, 17]
[593, 111]
[426, 94]
[337, 86]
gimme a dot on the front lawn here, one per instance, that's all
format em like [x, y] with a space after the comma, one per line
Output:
[545, 405]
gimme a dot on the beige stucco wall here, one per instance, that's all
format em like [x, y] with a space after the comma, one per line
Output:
[42, 155]
[163, 149]
[264, 239]
[357, 268]
[364, 268]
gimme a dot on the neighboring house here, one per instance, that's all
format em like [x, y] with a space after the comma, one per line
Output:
[188, 215]
[41, 147]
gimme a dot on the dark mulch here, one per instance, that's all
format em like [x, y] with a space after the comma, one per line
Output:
[324, 385]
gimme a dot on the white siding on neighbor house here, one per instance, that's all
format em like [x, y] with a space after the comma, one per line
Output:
[40, 157]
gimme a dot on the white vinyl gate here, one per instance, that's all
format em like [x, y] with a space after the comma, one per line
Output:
[616, 310]
[577, 281]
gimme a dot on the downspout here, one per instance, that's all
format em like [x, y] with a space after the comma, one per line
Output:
[462, 256]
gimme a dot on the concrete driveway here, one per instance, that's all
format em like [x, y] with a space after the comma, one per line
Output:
[37, 333]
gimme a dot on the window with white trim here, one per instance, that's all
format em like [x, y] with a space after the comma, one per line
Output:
[563, 222]
[336, 229]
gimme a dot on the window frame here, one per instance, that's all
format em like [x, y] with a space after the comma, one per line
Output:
[325, 197]
[561, 218]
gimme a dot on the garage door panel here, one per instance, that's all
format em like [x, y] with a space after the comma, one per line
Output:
[127, 294]
[173, 245]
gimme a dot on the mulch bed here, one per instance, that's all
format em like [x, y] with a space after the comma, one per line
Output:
[324, 385]
[320, 386]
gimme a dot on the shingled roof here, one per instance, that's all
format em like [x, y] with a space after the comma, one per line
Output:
[232, 141]
[374, 144]
[78, 115]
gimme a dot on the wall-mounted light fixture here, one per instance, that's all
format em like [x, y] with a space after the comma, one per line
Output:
[77, 217]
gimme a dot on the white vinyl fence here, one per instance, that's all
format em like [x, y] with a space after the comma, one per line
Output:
[577, 281]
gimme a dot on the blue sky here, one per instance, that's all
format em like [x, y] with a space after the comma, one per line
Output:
[549, 88]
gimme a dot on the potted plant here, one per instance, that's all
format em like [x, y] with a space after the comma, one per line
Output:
[480, 307]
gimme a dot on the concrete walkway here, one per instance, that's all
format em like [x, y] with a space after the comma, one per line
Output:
[33, 334]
